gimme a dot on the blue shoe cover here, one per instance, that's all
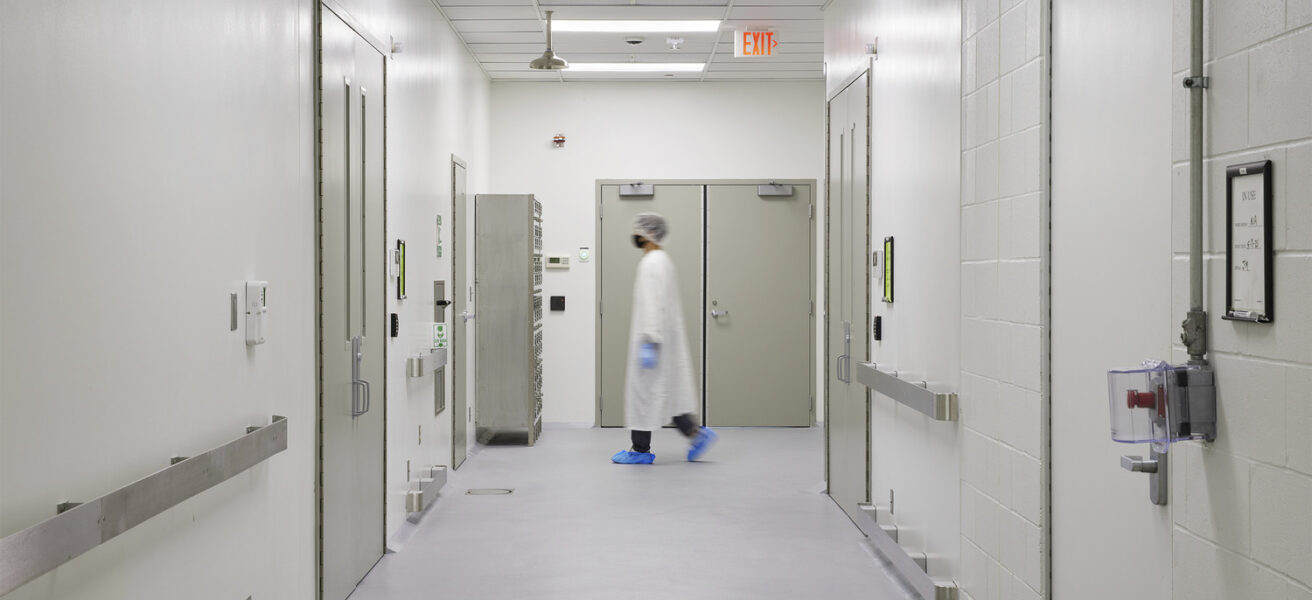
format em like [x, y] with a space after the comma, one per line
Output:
[703, 442]
[629, 457]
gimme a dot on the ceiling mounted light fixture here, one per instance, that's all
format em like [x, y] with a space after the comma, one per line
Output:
[636, 67]
[576, 26]
[548, 61]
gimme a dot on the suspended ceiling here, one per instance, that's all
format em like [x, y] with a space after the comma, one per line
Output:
[504, 35]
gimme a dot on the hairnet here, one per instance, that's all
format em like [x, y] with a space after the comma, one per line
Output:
[651, 226]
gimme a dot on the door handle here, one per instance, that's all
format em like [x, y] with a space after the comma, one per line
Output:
[466, 316]
[360, 399]
[719, 313]
[1137, 464]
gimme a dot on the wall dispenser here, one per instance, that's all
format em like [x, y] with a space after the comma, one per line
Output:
[1157, 404]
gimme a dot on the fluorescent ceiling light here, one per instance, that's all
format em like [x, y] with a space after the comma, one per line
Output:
[637, 67]
[637, 26]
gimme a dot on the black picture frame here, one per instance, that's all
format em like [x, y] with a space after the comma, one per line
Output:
[888, 270]
[400, 269]
[1251, 169]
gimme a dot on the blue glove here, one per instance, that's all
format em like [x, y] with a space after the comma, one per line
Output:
[647, 356]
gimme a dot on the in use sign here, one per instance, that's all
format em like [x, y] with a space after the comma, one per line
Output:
[754, 43]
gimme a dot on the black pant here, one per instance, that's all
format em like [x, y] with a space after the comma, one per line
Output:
[642, 439]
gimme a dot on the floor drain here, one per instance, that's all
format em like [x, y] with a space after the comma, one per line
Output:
[489, 491]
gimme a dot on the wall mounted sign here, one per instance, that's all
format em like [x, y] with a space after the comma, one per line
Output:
[1248, 243]
[400, 269]
[888, 269]
[748, 44]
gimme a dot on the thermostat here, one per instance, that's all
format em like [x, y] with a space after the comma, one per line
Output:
[558, 262]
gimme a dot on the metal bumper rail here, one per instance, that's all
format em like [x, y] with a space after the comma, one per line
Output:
[940, 406]
[913, 568]
[80, 527]
[422, 365]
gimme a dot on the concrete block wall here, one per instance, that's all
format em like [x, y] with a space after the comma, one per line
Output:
[1243, 505]
[1004, 271]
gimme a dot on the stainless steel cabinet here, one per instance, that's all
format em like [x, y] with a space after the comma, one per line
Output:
[508, 305]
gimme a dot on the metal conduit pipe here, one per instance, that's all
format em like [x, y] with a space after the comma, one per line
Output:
[1195, 324]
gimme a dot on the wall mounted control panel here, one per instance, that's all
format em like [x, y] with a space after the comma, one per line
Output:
[559, 262]
[257, 307]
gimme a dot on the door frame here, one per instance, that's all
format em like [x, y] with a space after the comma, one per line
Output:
[335, 8]
[599, 256]
[458, 356]
[868, 71]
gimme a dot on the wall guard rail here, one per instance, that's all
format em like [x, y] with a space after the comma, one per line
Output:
[913, 568]
[80, 527]
[940, 406]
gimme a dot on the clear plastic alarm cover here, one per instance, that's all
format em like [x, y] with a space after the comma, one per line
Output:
[1142, 402]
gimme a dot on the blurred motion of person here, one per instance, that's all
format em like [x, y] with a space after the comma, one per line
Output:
[658, 385]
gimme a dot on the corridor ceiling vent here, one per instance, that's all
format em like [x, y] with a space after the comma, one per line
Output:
[548, 61]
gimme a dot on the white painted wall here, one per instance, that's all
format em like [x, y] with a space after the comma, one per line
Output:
[1005, 323]
[1111, 201]
[633, 131]
[1243, 505]
[154, 156]
[916, 198]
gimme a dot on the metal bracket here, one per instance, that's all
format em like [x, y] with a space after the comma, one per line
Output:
[1197, 82]
[1194, 335]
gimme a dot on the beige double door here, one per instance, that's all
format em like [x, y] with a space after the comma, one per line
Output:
[847, 322]
[352, 296]
[745, 266]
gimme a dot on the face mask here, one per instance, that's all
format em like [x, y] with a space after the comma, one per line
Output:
[639, 241]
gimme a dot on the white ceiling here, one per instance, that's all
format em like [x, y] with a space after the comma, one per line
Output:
[505, 35]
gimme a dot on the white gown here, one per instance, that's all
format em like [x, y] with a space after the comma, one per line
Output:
[653, 397]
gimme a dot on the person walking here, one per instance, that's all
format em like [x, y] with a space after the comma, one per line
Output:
[658, 384]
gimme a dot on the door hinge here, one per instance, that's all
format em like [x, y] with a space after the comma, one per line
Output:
[810, 212]
[811, 311]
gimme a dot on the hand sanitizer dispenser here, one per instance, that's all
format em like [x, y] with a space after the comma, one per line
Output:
[1157, 404]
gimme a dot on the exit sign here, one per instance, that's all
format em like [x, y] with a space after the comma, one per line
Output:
[754, 43]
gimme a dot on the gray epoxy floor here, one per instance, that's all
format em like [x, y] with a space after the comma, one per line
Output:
[748, 522]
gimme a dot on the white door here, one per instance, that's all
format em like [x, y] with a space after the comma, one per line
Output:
[352, 324]
[758, 307]
[847, 316]
[1111, 291]
[681, 205]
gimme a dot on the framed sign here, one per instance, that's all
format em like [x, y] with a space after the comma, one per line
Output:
[1249, 281]
[888, 269]
[400, 269]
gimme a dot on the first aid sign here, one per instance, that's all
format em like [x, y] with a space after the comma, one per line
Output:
[754, 43]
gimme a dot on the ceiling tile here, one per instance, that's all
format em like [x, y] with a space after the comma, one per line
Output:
[792, 57]
[784, 26]
[529, 75]
[498, 26]
[629, 11]
[502, 37]
[740, 75]
[776, 12]
[785, 48]
[718, 67]
[779, 3]
[465, 13]
[451, 3]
